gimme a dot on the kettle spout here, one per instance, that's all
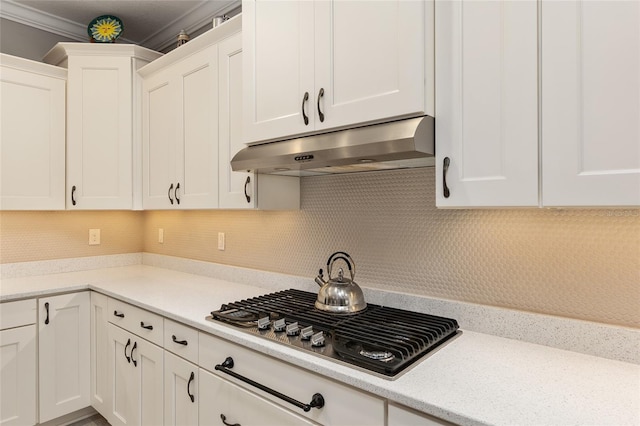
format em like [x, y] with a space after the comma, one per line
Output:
[319, 279]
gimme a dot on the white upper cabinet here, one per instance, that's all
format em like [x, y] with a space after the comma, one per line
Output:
[244, 190]
[180, 130]
[103, 115]
[486, 103]
[590, 103]
[32, 140]
[311, 66]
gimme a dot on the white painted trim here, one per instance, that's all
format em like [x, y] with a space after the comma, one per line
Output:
[193, 20]
[45, 21]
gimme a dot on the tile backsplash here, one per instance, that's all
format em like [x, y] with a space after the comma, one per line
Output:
[575, 263]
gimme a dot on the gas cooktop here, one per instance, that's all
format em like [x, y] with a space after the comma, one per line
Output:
[379, 339]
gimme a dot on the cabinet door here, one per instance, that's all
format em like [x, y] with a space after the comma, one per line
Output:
[147, 362]
[32, 141]
[487, 103]
[196, 154]
[158, 141]
[278, 68]
[99, 139]
[180, 391]
[63, 354]
[18, 376]
[233, 186]
[124, 387]
[100, 395]
[370, 60]
[239, 406]
[591, 103]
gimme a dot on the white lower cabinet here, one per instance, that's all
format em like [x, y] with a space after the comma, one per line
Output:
[135, 379]
[227, 402]
[99, 394]
[343, 405]
[181, 397]
[18, 363]
[63, 354]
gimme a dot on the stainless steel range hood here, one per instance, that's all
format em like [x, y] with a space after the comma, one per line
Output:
[398, 144]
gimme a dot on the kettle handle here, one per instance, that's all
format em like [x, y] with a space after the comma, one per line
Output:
[348, 260]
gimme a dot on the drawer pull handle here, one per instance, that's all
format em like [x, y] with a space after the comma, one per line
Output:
[180, 342]
[118, 314]
[135, 345]
[317, 400]
[191, 379]
[125, 351]
[146, 327]
[224, 420]
[46, 308]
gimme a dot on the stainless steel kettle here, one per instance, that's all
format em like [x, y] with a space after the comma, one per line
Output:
[340, 294]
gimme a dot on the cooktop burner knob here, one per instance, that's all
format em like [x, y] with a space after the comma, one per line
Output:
[306, 333]
[317, 340]
[279, 325]
[264, 323]
[293, 329]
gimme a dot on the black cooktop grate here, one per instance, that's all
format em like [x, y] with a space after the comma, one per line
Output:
[382, 339]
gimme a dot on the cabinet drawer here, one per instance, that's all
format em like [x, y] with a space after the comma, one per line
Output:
[181, 340]
[344, 405]
[138, 321]
[16, 314]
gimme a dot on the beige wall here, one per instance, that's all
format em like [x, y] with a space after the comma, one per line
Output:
[30, 235]
[575, 263]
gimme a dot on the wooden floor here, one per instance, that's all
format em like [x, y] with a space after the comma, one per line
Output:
[96, 420]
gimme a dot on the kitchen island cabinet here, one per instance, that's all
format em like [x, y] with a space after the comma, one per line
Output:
[534, 115]
[103, 123]
[32, 143]
[315, 66]
[63, 354]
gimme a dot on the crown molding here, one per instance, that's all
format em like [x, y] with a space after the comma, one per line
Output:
[193, 20]
[45, 21]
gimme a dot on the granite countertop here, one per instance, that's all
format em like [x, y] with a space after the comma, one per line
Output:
[475, 378]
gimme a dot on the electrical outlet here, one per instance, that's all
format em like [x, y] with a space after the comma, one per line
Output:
[94, 237]
[220, 240]
[160, 235]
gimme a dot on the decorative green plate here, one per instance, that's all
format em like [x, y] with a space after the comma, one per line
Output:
[105, 28]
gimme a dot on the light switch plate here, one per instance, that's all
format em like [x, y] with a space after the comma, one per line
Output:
[220, 240]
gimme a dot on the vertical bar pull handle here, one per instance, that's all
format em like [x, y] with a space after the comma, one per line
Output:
[191, 379]
[135, 345]
[320, 113]
[125, 351]
[46, 308]
[304, 114]
[73, 193]
[445, 169]
[246, 184]
[169, 194]
[175, 193]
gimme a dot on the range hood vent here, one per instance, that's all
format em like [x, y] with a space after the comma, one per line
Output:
[399, 144]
